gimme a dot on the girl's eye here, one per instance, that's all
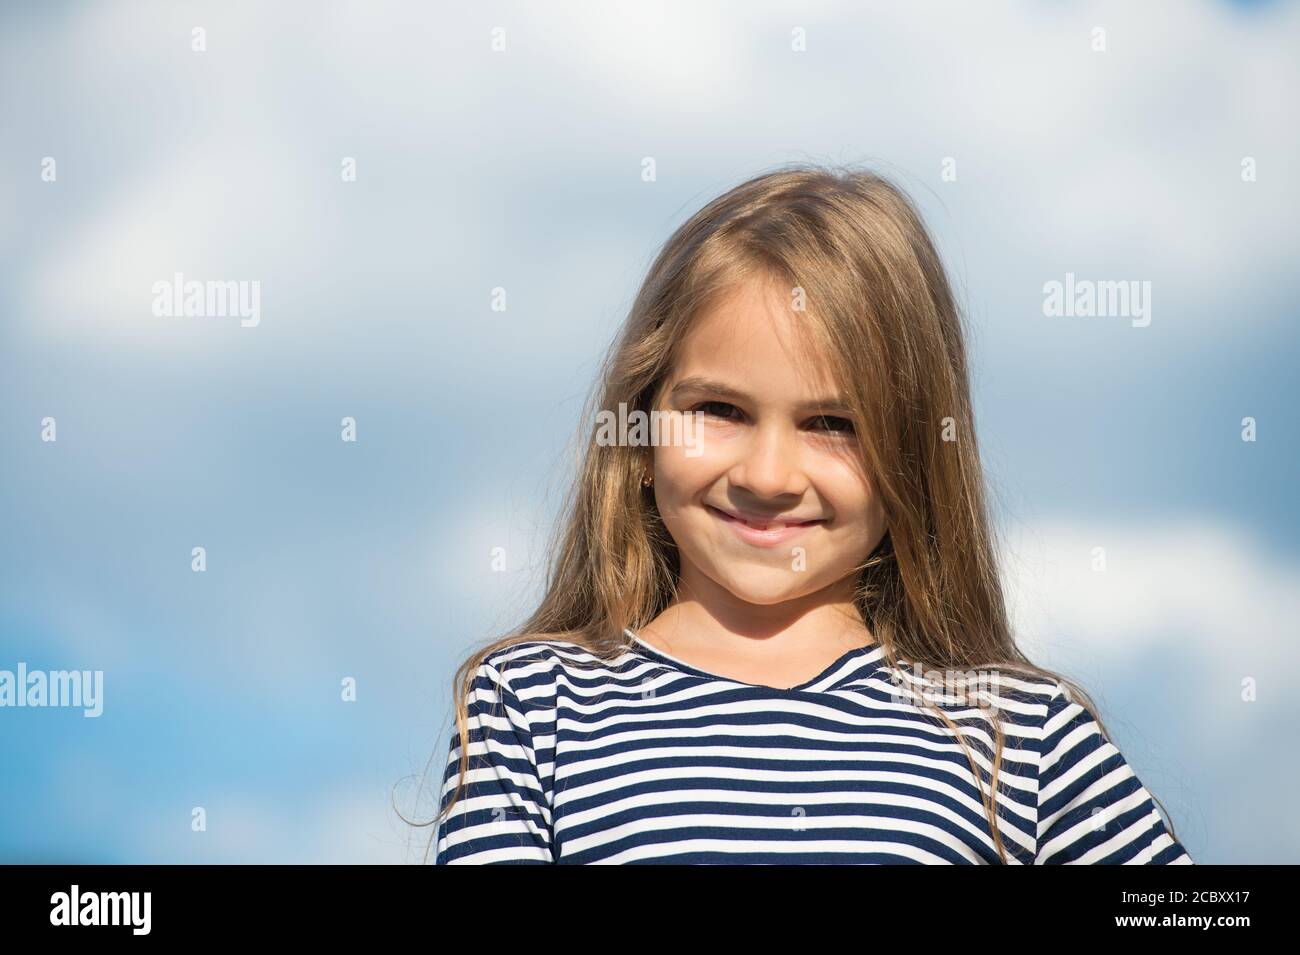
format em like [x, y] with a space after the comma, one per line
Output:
[716, 409]
[829, 423]
[834, 424]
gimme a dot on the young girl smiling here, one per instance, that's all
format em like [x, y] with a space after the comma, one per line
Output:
[726, 665]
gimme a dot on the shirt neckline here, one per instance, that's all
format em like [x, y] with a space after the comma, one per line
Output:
[655, 653]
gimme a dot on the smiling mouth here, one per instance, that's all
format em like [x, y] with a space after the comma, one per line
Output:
[760, 525]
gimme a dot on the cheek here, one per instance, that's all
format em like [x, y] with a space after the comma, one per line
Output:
[846, 490]
[679, 478]
[862, 531]
[859, 515]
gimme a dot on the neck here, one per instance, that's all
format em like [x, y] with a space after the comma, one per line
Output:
[705, 613]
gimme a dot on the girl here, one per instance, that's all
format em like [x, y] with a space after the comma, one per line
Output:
[785, 640]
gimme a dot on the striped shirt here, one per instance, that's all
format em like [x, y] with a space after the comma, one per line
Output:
[647, 759]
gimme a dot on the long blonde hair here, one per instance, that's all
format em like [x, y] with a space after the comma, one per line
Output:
[881, 307]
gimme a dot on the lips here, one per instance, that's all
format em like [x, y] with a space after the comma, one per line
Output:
[762, 532]
[772, 524]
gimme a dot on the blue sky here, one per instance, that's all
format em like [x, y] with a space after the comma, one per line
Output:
[522, 169]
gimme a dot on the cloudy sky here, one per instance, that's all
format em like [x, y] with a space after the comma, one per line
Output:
[521, 168]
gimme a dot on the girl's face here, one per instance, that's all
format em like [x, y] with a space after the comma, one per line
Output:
[775, 448]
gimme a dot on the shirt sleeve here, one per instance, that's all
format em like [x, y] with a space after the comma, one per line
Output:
[1092, 808]
[503, 814]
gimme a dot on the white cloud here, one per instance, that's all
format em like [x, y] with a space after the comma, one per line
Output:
[1074, 150]
[1204, 588]
[1218, 608]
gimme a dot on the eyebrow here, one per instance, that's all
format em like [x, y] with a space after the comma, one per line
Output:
[696, 384]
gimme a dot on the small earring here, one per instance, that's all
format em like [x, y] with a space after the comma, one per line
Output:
[647, 479]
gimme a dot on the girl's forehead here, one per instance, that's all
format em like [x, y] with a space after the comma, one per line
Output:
[753, 320]
[769, 348]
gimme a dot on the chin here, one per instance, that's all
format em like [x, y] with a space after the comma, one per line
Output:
[755, 592]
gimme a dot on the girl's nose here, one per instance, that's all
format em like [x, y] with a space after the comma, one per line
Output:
[771, 463]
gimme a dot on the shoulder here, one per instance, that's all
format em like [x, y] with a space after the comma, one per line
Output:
[1073, 745]
[1024, 696]
[533, 666]
[1052, 708]
[537, 653]
[1065, 715]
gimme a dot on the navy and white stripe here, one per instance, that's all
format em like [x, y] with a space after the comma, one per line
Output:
[649, 760]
